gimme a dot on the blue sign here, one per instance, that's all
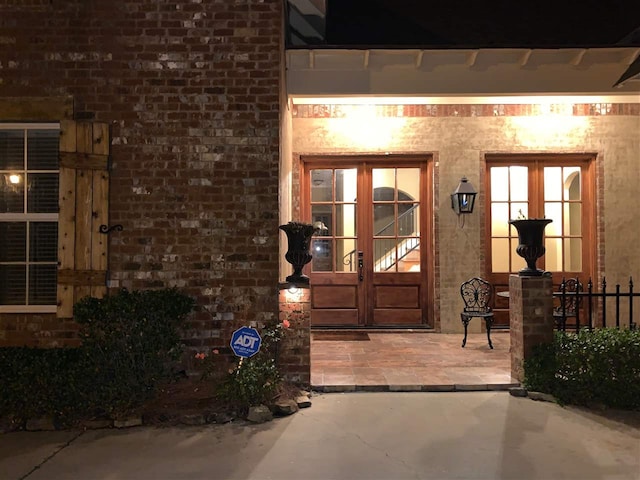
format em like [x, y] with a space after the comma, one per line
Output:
[245, 342]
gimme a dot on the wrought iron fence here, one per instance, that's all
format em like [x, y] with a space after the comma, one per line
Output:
[579, 307]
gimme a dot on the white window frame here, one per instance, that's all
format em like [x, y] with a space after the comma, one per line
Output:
[29, 217]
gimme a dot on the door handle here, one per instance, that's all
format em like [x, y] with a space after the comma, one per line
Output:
[360, 266]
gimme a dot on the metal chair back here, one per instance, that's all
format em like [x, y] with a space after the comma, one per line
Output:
[477, 295]
[569, 301]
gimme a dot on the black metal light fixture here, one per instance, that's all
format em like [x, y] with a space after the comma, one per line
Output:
[463, 199]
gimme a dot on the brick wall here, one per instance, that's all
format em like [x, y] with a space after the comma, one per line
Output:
[294, 357]
[531, 318]
[191, 90]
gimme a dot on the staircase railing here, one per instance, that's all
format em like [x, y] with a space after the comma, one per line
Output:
[382, 250]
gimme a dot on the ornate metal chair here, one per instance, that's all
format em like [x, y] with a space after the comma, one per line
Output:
[477, 294]
[569, 302]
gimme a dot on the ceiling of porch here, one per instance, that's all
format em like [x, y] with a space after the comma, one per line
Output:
[462, 72]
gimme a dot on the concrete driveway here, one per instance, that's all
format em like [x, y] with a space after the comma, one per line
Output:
[421, 435]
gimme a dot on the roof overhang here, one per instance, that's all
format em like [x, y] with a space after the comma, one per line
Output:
[461, 72]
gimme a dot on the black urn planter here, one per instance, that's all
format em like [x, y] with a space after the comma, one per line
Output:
[530, 244]
[299, 238]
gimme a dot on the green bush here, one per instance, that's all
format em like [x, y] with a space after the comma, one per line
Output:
[255, 380]
[131, 340]
[129, 343]
[591, 367]
[42, 382]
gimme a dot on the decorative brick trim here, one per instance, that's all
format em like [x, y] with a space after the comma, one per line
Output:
[466, 110]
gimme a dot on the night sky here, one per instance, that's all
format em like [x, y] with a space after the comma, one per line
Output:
[478, 23]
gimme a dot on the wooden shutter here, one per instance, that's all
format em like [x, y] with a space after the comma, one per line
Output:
[84, 200]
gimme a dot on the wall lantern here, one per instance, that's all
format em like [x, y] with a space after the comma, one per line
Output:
[463, 199]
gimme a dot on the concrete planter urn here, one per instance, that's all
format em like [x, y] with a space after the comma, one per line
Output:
[530, 243]
[299, 238]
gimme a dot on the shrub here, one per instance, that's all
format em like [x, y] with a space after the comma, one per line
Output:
[252, 381]
[129, 341]
[591, 367]
[41, 382]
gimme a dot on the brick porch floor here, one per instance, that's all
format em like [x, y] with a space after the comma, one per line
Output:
[411, 361]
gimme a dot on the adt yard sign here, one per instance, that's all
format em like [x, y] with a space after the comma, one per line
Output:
[245, 342]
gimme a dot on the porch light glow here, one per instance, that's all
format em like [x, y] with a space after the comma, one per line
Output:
[14, 179]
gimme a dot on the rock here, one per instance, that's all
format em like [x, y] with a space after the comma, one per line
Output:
[193, 419]
[303, 401]
[542, 397]
[518, 392]
[259, 414]
[128, 422]
[285, 407]
[45, 423]
[220, 417]
[97, 423]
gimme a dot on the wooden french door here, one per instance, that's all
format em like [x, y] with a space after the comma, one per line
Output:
[370, 262]
[559, 187]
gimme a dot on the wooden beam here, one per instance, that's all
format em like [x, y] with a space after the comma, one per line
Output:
[82, 277]
[88, 161]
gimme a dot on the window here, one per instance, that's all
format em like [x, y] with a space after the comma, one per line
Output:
[29, 175]
[558, 188]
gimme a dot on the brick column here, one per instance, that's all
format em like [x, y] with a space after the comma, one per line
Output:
[294, 358]
[530, 317]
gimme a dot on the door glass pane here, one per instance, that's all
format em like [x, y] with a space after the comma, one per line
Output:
[346, 255]
[383, 178]
[322, 216]
[499, 183]
[409, 255]
[572, 183]
[500, 255]
[384, 255]
[573, 254]
[321, 186]
[519, 183]
[408, 219]
[553, 183]
[345, 220]
[553, 254]
[573, 218]
[321, 252]
[384, 219]
[408, 183]
[346, 186]
[553, 210]
[499, 219]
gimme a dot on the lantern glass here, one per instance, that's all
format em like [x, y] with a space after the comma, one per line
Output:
[463, 198]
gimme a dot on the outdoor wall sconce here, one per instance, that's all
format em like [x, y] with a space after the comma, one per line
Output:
[463, 199]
